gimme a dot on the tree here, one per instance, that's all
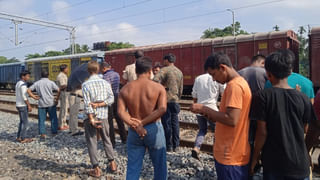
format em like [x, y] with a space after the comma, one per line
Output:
[119, 45]
[303, 52]
[79, 49]
[227, 31]
[4, 60]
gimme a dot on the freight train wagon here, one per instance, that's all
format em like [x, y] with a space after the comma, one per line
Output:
[52, 64]
[9, 74]
[191, 55]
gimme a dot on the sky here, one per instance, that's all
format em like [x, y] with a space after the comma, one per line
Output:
[143, 22]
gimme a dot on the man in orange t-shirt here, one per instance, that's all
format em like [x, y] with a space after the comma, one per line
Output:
[231, 148]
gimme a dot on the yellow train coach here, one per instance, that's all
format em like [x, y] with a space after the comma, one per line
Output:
[52, 64]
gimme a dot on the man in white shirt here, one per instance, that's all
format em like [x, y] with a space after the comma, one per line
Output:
[205, 91]
[23, 106]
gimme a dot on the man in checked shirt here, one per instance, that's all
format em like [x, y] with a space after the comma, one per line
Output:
[97, 94]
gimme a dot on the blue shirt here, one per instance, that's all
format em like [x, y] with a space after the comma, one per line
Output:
[114, 79]
[297, 79]
[96, 89]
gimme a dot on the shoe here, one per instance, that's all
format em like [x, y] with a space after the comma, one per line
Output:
[96, 172]
[113, 166]
[169, 149]
[195, 154]
[77, 133]
[175, 149]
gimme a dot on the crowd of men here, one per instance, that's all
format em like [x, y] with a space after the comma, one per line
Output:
[263, 115]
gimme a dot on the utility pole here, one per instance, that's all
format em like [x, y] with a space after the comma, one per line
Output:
[19, 20]
[233, 25]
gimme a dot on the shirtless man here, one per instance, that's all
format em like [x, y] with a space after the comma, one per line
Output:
[146, 102]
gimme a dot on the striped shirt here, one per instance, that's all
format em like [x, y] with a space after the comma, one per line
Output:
[96, 89]
[114, 79]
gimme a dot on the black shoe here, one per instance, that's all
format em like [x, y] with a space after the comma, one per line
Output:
[169, 149]
[195, 154]
[78, 133]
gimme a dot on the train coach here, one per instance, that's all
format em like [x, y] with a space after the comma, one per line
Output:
[314, 56]
[190, 55]
[9, 73]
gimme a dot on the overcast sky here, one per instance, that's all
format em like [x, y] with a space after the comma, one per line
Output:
[144, 22]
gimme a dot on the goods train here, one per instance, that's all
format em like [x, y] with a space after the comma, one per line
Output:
[190, 56]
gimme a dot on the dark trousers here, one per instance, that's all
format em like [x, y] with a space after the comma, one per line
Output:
[170, 123]
[230, 172]
[23, 125]
[113, 113]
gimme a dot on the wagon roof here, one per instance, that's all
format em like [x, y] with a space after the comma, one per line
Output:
[210, 41]
[89, 54]
[11, 64]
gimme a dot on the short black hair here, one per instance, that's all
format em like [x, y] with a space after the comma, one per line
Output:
[105, 65]
[44, 74]
[143, 65]
[138, 54]
[24, 73]
[157, 65]
[170, 57]
[280, 63]
[257, 57]
[217, 58]
[63, 67]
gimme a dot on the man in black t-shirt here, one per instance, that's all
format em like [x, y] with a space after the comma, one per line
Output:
[283, 115]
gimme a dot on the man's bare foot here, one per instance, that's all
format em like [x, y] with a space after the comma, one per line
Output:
[113, 166]
[96, 172]
[26, 140]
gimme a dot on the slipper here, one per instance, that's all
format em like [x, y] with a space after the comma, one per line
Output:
[94, 174]
[195, 154]
[26, 140]
[113, 166]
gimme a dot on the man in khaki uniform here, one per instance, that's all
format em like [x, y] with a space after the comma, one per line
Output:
[74, 104]
[129, 73]
[62, 80]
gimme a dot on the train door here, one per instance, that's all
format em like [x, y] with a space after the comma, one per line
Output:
[230, 51]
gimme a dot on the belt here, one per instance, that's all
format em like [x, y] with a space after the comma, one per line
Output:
[77, 95]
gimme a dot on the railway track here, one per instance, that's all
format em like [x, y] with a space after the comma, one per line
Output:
[9, 107]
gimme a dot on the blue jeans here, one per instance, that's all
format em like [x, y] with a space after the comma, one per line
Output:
[272, 176]
[42, 115]
[203, 127]
[23, 125]
[154, 141]
[230, 172]
[170, 122]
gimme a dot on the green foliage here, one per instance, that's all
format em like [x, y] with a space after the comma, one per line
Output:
[303, 52]
[79, 49]
[227, 31]
[119, 45]
[4, 60]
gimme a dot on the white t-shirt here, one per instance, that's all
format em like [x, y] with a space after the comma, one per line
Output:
[21, 93]
[207, 91]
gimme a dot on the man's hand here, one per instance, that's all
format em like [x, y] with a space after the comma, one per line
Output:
[96, 124]
[29, 108]
[253, 165]
[141, 131]
[94, 105]
[134, 122]
[196, 108]
[56, 101]
[36, 97]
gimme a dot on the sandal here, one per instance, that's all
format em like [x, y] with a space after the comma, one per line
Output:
[113, 166]
[95, 172]
[26, 140]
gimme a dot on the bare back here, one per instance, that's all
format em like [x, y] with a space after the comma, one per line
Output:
[141, 97]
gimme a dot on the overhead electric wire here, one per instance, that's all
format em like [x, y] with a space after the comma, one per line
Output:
[96, 14]
[132, 15]
[156, 23]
